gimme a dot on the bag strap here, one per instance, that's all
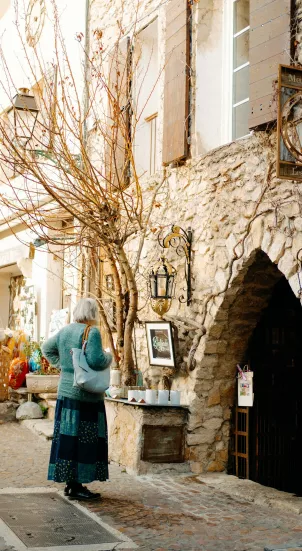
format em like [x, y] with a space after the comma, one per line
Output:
[86, 334]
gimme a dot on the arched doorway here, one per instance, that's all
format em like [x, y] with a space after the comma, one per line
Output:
[275, 424]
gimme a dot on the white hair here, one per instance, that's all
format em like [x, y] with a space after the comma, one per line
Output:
[85, 310]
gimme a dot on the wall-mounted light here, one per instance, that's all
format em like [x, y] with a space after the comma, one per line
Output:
[181, 241]
[23, 114]
[161, 281]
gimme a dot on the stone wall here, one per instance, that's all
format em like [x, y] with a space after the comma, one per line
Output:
[247, 228]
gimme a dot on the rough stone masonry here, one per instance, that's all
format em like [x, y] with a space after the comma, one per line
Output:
[247, 228]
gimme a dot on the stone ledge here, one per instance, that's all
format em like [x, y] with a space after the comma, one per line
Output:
[255, 493]
[42, 427]
[283, 548]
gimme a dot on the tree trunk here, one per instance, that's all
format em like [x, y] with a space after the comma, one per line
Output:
[128, 361]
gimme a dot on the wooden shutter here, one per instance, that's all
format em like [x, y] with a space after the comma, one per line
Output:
[119, 131]
[176, 94]
[270, 45]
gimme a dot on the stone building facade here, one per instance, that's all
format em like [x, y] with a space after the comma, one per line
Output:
[247, 227]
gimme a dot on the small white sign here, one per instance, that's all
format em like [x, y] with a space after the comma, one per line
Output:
[245, 389]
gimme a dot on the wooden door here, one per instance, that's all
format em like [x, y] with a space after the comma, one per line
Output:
[275, 356]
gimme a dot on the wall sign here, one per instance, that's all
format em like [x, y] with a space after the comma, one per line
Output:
[289, 157]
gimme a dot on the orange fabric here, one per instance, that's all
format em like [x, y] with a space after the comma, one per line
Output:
[17, 373]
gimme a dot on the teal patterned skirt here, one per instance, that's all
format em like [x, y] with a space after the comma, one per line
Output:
[79, 450]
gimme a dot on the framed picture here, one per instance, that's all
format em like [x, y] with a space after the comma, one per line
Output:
[160, 343]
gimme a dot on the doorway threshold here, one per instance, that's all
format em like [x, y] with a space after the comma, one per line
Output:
[247, 490]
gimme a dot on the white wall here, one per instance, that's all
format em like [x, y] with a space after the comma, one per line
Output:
[46, 276]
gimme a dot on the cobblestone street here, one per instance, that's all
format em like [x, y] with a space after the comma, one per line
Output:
[159, 513]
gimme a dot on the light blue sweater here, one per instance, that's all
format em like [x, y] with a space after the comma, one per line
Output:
[57, 351]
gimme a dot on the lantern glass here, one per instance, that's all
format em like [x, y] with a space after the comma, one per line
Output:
[161, 279]
[170, 286]
[162, 285]
[24, 125]
[153, 285]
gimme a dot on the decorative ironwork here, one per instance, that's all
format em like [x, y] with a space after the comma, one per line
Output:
[180, 240]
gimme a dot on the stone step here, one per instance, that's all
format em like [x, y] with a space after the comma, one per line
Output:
[288, 548]
[42, 427]
[284, 547]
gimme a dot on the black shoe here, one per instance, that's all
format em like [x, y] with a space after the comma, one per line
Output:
[82, 494]
[67, 490]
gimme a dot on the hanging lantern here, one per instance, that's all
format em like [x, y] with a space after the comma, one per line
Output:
[23, 115]
[161, 280]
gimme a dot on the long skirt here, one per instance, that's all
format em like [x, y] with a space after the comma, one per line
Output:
[79, 449]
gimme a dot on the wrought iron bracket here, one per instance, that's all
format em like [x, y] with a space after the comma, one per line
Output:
[180, 240]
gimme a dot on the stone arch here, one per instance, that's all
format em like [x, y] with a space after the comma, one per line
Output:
[237, 314]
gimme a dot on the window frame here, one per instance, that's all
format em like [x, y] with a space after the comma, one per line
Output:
[229, 71]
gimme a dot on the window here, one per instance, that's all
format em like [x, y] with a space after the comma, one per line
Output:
[240, 92]
[146, 95]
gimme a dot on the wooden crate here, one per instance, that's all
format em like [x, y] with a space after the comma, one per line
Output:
[5, 360]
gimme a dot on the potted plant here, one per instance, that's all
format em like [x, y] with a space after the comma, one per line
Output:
[43, 377]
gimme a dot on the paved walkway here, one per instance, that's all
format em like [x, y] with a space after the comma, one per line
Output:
[159, 513]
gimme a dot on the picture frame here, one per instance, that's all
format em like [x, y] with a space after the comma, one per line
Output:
[160, 343]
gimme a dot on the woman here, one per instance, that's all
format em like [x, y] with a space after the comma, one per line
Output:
[79, 451]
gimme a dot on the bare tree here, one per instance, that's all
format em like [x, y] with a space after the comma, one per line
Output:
[75, 181]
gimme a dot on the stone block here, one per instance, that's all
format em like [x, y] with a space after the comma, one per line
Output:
[213, 412]
[215, 466]
[227, 414]
[214, 397]
[196, 467]
[48, 396]
[298, 223]
[257, 232]
[266, 241]
[217, 346]
[227, 392]
[200, 436]
[277, 247]
[294, 283]
[297, 244]
[213, 424]
[288, 265]
[230, 243]
[221, 259]
[29, 410]
[222, 455]
[7, 412]
[221, 279]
